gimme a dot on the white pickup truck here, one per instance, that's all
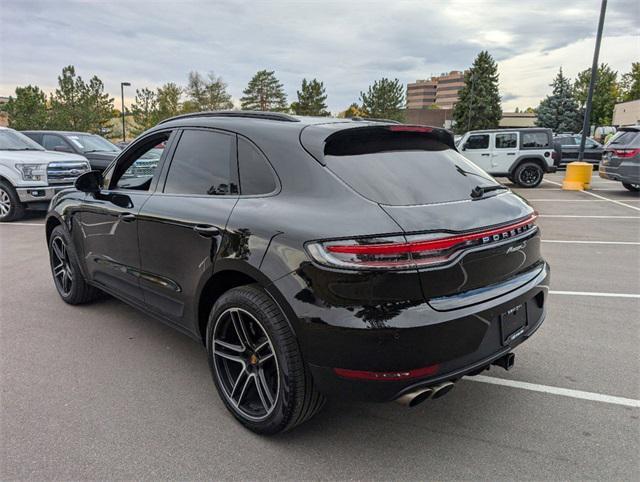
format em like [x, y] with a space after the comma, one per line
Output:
[30, 176]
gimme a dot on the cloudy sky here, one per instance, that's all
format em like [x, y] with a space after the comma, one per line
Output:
[347, 44]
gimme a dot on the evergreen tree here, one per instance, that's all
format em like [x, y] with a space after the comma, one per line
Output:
[605, 94]
[478, 106]
[559, 111]
[384, 99]
[144, 110]
[28, 109]
[630, 83]
[264, 93]
[98, 107]
[206, 93]
[168, 101]
[311, 99]
[68, 102]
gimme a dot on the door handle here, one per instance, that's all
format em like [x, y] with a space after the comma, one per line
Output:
[485, 155]
[206, 230]
[511, 153]
[128, 217]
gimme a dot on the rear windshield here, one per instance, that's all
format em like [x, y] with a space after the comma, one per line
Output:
[407, 177]
[625, 137]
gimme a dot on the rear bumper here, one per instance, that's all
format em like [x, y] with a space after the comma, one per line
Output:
[459, 342]
[627, 173]
[39, 194]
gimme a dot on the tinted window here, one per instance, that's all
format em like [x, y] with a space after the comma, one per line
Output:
[410, 177]
[535, 139]
[52, 142]
[568, 141]
[477, 141]
[256, 176]
[201, 164]
[506, 141]
[625, 137]
[142, 164]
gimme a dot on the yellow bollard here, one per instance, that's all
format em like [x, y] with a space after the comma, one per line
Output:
[578, 176]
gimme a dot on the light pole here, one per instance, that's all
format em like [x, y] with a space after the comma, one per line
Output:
[586, 125]
[122, 85]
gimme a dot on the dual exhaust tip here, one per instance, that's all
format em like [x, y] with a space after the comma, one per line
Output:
[418, 396]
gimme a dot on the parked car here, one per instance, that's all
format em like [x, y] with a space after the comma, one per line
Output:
[30, 176]
[99, 151]
[621, 159]
[312, 257]
[522, 155]
[570, 147]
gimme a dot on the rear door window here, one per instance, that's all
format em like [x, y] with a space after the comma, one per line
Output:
[399, 170]
[52, 142]
[508, 140]
[201, 164]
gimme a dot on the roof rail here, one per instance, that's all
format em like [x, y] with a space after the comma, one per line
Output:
[251, 114]
[374, 119]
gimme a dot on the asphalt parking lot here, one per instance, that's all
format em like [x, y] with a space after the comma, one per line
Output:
[103, 391]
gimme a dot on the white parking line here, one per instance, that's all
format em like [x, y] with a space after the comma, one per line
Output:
[599, 196]
[565, 392]
[21, 224]
[594, 294]
[585, 216]
[563, 241]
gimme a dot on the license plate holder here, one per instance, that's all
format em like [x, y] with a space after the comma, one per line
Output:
[513, 323]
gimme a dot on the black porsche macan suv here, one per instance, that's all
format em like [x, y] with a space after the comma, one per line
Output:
[311, 256]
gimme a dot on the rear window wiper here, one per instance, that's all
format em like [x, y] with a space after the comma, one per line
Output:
[479, 191]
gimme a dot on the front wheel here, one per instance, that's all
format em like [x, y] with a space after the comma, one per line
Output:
[256, 363]
[11, 209]
[528, 174]
[631, 187]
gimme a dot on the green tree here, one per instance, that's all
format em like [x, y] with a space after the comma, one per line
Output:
[98, 107]
[630, 83]
[168, 101]
[144, 110]
[384, 99]
[312, 99]
[205, 94]
[68, 102]
[605, 94]
[264, 92]
[354, 110]
[478, 106]
[28, 109]
[560, 111]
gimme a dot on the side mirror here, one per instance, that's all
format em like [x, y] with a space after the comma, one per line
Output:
[89, 182]
[62, 149]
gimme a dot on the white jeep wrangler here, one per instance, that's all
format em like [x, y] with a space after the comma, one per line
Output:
[522, 155]
[30, 176]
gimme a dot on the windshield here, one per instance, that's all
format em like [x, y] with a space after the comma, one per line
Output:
[91, 143]
[624, 137]
[11, 140]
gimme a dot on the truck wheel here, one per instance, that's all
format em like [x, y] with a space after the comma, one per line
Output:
[11, 208]
[631, 187]
[528, 174]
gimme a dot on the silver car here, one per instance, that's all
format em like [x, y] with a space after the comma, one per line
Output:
[621, 158]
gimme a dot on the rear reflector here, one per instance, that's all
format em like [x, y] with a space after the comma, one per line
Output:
[387, 376]
[399, 252]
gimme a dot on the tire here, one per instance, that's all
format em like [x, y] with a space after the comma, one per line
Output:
[631, 187]
[257, 366]
[67, 277]
[11, 209]
[528, 175]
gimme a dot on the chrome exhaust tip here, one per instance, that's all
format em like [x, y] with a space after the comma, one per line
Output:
[442, 389]
[414, 398]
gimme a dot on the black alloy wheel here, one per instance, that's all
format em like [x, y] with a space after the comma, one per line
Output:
[631, 187]
[245, 364]
[61, 266]
[529, 174]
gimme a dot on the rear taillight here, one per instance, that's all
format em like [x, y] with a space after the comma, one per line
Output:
[626, 153]
[411, 251]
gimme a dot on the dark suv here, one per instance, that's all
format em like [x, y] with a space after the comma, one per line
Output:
[621, 158]
[311, 256]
